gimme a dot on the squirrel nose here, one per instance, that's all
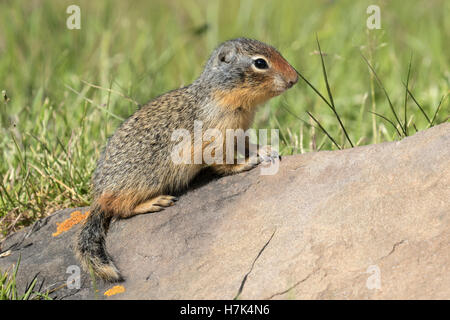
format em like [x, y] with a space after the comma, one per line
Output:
[292, 81]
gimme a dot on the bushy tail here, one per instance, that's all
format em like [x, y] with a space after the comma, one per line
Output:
[90, 246]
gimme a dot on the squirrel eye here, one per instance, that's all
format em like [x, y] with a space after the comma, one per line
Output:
[261, 63]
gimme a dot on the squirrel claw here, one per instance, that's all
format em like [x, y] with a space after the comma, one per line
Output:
[165, 201]
[268, 155]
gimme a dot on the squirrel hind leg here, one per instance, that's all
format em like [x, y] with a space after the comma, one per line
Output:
[154, 205]
[129, 204]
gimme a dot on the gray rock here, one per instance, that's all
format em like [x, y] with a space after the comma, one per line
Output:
[365, 223]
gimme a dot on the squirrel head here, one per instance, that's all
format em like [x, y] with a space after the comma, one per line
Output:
[243, 73]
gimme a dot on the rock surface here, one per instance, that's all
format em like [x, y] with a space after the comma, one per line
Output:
[365, 223]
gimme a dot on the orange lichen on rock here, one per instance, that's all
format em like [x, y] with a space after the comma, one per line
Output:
[75, 218]
[114, 290]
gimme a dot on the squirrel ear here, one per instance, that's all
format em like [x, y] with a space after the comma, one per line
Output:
[227, 54]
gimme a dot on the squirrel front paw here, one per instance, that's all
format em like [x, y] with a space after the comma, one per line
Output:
[268, 155]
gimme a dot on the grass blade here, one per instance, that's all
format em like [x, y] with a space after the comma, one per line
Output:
[330, 95]
[324, 131]
[95, 104]
[418, 105]
[392, 123]
[314, 88]
[28, 292]
[437, 110]
[406, 96]
[385, 93]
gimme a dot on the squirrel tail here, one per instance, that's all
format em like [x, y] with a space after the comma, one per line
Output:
[90, 246]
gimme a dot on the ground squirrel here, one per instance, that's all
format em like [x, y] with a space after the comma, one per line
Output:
[135, 173]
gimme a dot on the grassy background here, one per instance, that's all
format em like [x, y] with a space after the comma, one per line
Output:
[54, 122]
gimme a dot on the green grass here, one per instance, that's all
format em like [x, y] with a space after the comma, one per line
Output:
[8, 288]
[67, 90]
